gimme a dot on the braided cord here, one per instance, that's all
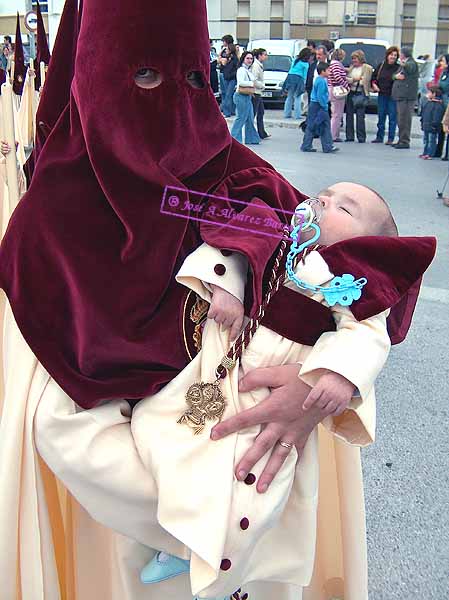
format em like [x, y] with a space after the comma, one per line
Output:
[229, 361]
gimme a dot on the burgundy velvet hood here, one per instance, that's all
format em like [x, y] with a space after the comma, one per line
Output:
[43, 51]
[19, 61]
[88, 261]
[56, 93]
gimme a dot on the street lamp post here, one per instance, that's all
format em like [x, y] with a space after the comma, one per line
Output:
[31, 37]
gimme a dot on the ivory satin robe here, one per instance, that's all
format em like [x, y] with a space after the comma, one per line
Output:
[58, 551]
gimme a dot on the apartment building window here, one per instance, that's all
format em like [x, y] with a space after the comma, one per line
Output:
[408, 12]
[277, 9]
[366, 13]
[317, 12]
[43, 6]
[443, 13]
[243, 10]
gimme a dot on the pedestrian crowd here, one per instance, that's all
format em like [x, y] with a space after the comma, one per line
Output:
[6, 53]
[334, 98]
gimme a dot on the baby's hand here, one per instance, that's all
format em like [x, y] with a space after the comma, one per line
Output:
[5, 148]
[332, 393]
[227, 310]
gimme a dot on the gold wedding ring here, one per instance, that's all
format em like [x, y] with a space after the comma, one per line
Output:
[285, 445]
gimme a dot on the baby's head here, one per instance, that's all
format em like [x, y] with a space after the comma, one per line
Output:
[352, 210]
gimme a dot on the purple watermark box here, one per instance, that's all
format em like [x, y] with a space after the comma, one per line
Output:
[254, 217]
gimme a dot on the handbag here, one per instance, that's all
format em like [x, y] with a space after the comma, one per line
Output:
[340, 91]
[359, 100]
[246, 91]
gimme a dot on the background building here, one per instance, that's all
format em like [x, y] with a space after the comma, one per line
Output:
[51, 10]
[422, 24]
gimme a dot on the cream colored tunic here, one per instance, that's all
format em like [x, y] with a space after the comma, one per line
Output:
[57, 551]
[171, 452]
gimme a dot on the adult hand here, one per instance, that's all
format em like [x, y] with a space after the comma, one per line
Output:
[375, 87]
[400, 76]
[281, 416]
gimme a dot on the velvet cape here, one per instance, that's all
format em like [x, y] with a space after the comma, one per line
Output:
[88, 260]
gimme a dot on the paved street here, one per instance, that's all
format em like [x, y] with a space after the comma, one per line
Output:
[406, 470]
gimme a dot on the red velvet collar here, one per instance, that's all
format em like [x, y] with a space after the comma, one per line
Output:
[394, 268]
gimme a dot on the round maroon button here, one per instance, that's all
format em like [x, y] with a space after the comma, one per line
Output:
[226, 252]
[220, 269]
[225, 564]
[250, 479]
[244, 523]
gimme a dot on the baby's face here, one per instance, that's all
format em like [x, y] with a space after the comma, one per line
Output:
[349, 210]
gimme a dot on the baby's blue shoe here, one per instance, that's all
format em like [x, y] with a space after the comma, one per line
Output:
[163, 566]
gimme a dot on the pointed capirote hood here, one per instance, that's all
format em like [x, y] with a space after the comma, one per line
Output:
[19, 61]
[43, 51]
[174, 124]
[55, 95]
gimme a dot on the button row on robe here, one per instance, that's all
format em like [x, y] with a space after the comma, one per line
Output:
[225, 564]
[244, 524]
[220, 269]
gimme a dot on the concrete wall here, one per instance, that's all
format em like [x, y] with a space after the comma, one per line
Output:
[214, 16]
[260, 19]
[426, 31]
[389, 22]
[10, 7]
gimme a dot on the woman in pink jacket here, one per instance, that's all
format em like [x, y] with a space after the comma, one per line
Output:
[337, 79]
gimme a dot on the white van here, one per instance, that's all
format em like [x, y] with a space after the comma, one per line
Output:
[281, 54]
[374, 50]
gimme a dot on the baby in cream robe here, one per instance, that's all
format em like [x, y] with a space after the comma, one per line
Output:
[231, 533]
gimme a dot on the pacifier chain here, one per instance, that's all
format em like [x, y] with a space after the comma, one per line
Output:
[205, 401]
[341, 290]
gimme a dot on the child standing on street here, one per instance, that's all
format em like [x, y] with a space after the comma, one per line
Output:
[318, 120]
[431, 117]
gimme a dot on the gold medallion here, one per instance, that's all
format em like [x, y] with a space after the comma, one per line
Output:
[205, 403]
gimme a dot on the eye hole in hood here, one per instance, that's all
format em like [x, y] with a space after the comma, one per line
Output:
[196, 80]
[147, 78]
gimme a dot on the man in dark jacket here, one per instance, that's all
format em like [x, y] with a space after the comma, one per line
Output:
[405, 92]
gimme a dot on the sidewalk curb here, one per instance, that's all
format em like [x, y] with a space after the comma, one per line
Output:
[294, 124]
